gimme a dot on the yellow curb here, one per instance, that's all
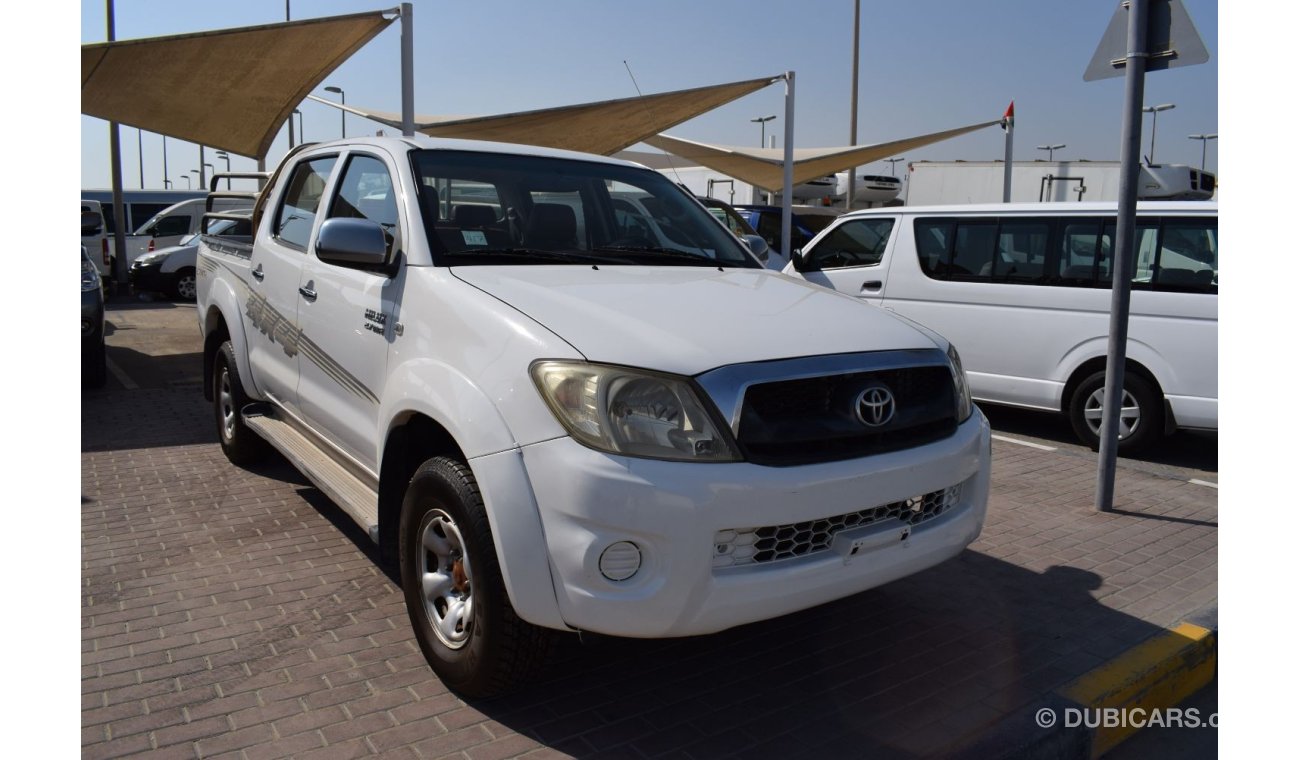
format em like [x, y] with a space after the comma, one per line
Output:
[1157, 674]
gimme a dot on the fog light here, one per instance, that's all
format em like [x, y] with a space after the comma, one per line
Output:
[620, 561]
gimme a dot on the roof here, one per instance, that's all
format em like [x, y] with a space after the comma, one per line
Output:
[603, 127]
[763, 167]
[399, 144]
[230, 89]
[1052, 207]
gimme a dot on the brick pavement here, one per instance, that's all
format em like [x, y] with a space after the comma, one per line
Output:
[238, 613]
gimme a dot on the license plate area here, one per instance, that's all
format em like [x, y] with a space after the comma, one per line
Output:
[858, 541]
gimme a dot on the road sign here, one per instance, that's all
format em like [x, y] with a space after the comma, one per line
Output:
[1172, 41]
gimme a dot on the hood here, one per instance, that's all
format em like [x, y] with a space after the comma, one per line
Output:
[688, 320]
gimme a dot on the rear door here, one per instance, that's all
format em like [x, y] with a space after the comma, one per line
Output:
[275, 271]
[852, 258]
[347, 315]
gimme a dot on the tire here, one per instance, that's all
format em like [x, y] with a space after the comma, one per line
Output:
[454, 592]
[185, 285]
[239, 443]
[1141, 416]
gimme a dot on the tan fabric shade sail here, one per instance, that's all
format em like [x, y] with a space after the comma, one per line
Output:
[230, 89]
[762, 167]
[604, 127]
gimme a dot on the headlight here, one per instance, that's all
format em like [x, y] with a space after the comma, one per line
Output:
[149, 258]
[960, 386]
[89, 275]
[632, 412]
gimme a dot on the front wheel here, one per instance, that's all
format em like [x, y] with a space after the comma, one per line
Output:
[185, 285]
[454, 591]
[1141, 416]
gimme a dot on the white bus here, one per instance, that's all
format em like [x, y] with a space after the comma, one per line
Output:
[1023, 291]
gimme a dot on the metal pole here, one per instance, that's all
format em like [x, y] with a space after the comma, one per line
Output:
[115, 162]
[1125, 232]
[166, 177]
[1152, 155]
[203, 175]
[139, 150]
[787, 173]
[1006, 159]
[343, 116]
[408, 71]
[853, 101]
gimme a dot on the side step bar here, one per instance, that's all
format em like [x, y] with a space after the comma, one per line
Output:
[359, 500]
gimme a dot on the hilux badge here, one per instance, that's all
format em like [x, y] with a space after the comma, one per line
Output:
[875, 406]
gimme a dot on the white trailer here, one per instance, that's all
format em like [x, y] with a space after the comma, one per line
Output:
[937, 183]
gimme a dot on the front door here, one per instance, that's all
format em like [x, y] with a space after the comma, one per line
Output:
[851, 258]
[347, 317]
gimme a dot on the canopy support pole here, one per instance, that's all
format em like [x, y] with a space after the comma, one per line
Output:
[408, 72]
[118, 274]
[787, 171]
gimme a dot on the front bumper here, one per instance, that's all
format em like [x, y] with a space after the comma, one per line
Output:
[673, 511]
[149, 278]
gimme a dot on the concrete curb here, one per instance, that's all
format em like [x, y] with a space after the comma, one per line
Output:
[1157, 674]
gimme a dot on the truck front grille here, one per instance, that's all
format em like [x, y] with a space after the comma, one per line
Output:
[809, 420]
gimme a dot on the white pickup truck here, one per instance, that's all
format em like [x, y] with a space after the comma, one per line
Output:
[557, 415]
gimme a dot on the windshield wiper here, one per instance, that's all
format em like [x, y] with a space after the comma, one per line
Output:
[516, 253]
[699, 259]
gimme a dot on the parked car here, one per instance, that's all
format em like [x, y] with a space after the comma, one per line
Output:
[171, 270]
[93, 354]
[557, 418]
[94, 235]
[806, 221]
[1025, 289]
[742, 229]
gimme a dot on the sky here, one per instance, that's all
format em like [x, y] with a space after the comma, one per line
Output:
[925, 66]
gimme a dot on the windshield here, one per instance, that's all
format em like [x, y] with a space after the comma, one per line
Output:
[492, 208]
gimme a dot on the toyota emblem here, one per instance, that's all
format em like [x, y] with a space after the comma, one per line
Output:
[875, 406]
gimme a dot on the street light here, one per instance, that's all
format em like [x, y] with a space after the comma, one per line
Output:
[224, 156]
[302, 136]
[891, 162]
[189, 185]
[196, 171]
[1154, 111]
[1204, 139]
[166, 182]
[343, 115]
[1051, 149]
[762, 129]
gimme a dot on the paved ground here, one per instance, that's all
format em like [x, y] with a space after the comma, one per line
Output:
[238, 612]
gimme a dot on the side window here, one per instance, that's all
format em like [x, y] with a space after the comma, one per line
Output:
[857, 243]
[172, 225]
[769, 226]
[1022, 251]
[1189, 256]
[972, 252]
[366, 192]
[1081, 240]
[141, 213]
[301, 199]
[933, 239]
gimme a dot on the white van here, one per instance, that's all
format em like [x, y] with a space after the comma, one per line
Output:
[1024, 289]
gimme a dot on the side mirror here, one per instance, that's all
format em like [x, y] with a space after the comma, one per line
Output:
[757, 246]
[352, 242]
[797, 258]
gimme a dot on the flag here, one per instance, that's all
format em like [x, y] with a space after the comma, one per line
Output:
[1009, 118]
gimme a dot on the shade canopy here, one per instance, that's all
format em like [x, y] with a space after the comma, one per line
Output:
[762, 167]
[230, 89]
[604, 127]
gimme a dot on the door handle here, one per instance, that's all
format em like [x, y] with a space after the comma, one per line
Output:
[872, 285]
[258, 274]
[307, 293]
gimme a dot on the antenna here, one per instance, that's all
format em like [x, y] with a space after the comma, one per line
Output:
[637, 87]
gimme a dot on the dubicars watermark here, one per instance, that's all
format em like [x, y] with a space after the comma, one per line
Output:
[1126, 717]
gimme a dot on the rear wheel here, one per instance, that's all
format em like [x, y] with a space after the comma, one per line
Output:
[454, 591]
[185, 285]
[1141, 416]
[240, 444]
